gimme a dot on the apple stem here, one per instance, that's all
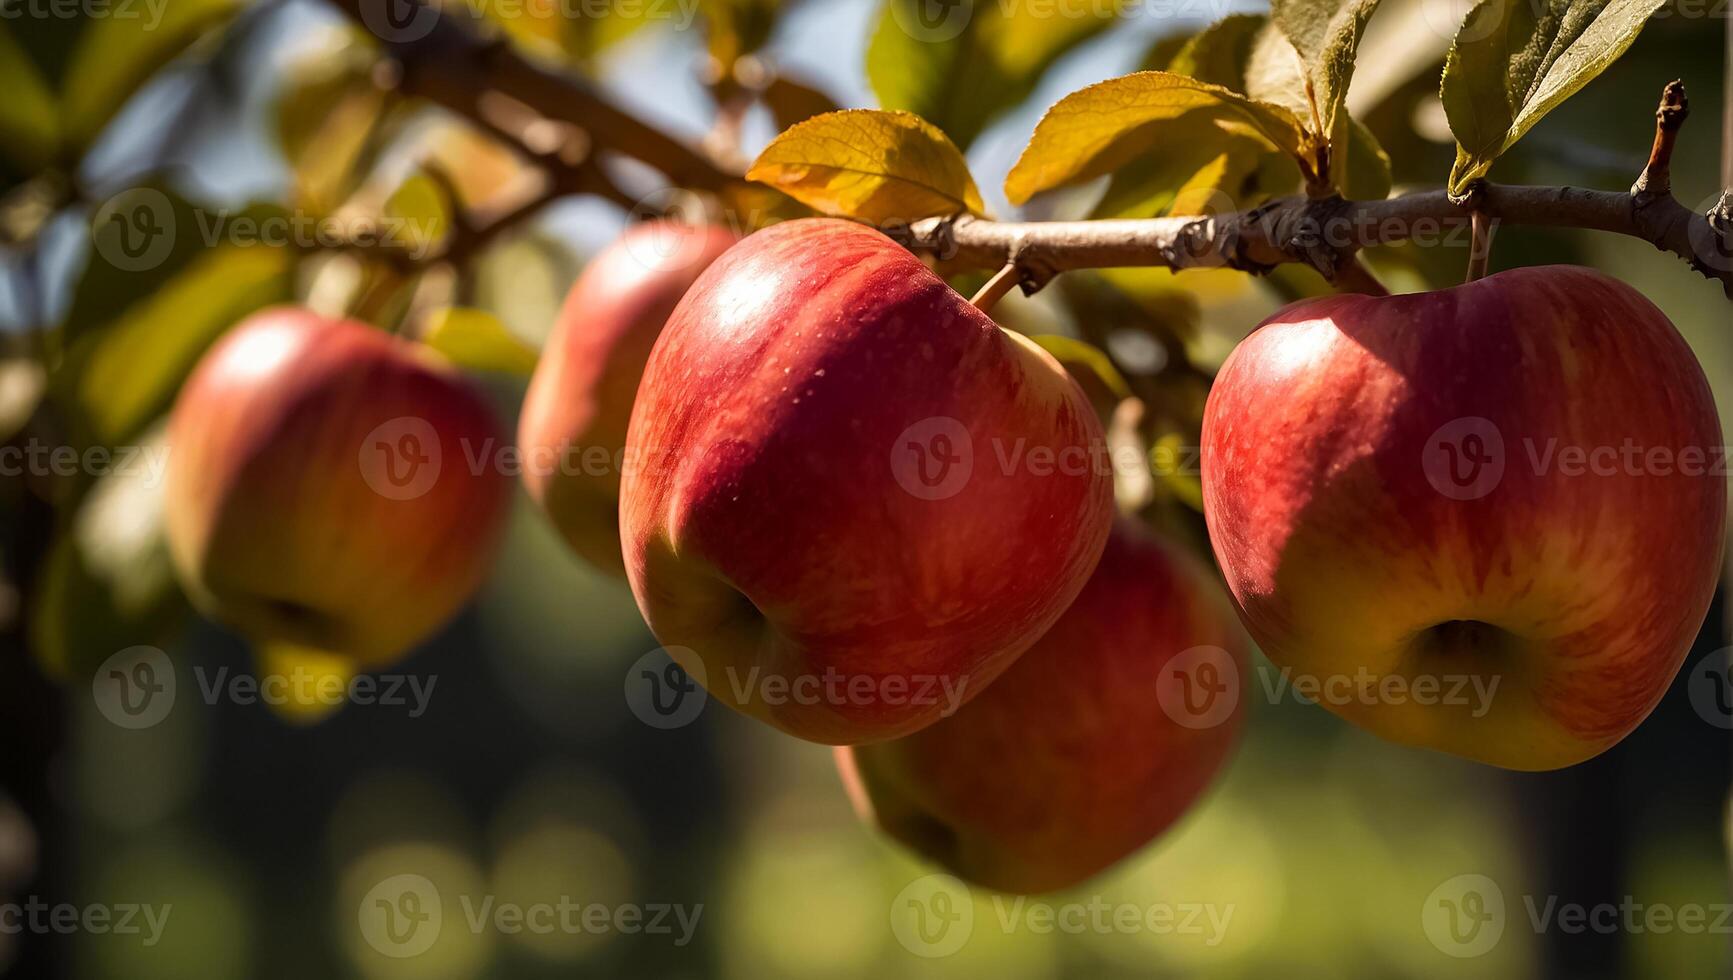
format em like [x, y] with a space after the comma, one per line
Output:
[996, 288]
[1480, 251]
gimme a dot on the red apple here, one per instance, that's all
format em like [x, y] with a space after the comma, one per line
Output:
[1493, 515]
[1092, 744]
[851, 499]
[325, 487]
[573, 427]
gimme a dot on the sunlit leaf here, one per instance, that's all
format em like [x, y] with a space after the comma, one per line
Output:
[476, 340]
[1103, 127]
[326, 107]
[1203, 170]
[1326, 33]
[118, 377]
[116, 54]
[960, 64]
[1275, 73]
[1512, 63]
[417, 214]
[876, 166]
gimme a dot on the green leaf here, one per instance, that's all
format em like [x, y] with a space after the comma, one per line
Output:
[117, 54]
[1218, 54]
[980, 58]
[118, 377]
[1512, 63]
[1100, 129]
[107, 583]
[326, 107]
[417, 214]
[791, 102]
[476, 340]
[734, 28]
[875, 166]
[1326, 33]
[1203, 171]
[29, 124]
[1360, 167]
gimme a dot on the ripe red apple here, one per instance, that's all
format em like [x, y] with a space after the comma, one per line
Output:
[573, 427]
[1095, 741]
[323, 487]
[851, 498]
[1509, 492]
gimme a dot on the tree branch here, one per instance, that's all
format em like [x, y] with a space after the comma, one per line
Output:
[446, 62]
[1321, 234]
[1327, 234]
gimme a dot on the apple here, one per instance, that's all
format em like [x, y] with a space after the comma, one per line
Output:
[851, 499]
[322, 493]
[572, 430]
[1492, 515]
[1095, 741]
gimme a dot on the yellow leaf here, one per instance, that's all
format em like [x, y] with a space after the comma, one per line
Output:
[1101, 128]
[476, 340]
[416, 214]
[881, 167]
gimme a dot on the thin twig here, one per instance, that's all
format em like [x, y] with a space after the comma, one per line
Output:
[445, 61]
[1657, 176]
